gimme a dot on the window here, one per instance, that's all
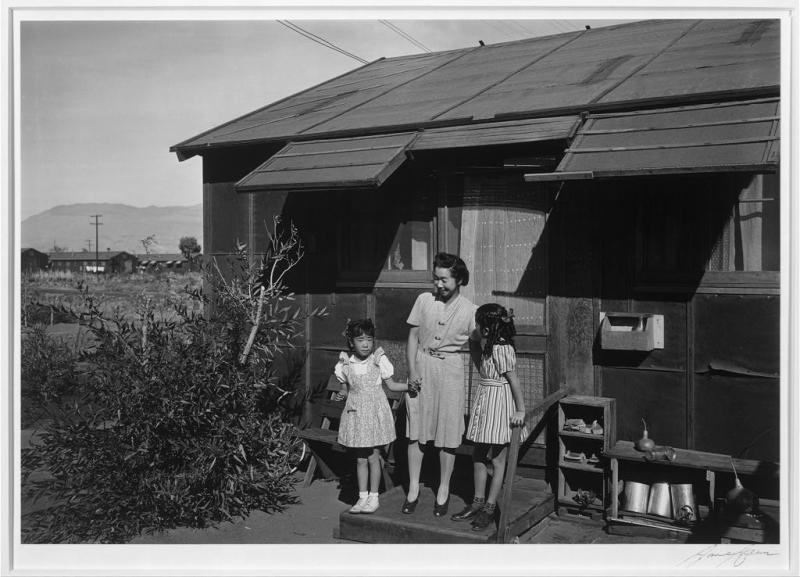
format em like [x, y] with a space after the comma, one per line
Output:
[750, 239]
[502, 233]
[388, 235]
[715, 230]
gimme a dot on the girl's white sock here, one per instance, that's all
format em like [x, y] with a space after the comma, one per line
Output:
[362, 494]
[371, 494]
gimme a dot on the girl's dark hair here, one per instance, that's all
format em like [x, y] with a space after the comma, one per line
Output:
[357, 328]
[458, 268]
[497, 324]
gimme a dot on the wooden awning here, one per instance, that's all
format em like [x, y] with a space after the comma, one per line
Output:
[498, 133]
[358, 162]
[719, 137]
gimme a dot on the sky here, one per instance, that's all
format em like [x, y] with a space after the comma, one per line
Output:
[102, 101]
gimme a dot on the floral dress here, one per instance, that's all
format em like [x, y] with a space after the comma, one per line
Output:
[490, 419]
[366, 418]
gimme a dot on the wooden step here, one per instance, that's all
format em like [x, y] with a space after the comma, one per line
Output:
[532, 501]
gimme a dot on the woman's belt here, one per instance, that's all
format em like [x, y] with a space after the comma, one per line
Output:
[492, 383]
[438, 354]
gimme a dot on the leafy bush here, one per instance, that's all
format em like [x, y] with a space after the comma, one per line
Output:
[168, 431]
[48, 372]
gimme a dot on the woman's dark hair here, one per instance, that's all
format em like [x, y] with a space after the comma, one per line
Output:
[357, 328]
[497, 324]
[458, 268]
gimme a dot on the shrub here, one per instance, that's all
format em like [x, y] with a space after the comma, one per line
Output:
[47, 372]
[168, 430]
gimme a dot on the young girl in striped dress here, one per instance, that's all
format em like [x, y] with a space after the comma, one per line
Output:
[498, 406]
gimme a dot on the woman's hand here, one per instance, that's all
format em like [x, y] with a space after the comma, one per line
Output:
[414, 385]
[518, 418]
[340, 395]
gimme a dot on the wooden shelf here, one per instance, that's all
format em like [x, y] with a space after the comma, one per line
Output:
[580, 435]
[590, 468]
[572, 503]
[649, 523]
[694, 460]
[574, 475]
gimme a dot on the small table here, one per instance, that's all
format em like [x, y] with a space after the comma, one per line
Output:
[711, 463]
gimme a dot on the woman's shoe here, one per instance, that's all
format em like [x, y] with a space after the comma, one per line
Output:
[441, 510]
[409, 506]
[483, 519]
[469, 512]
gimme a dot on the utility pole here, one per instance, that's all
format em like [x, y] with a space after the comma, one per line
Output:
[97, 224]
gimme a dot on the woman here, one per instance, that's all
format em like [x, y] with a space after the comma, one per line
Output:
[441, 322]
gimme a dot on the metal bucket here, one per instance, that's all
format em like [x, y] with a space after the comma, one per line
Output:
[660, 502]
[684, 509]
[635, 496]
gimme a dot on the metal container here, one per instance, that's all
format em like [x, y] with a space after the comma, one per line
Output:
[684, 509]
[660, 502]
[635, 496]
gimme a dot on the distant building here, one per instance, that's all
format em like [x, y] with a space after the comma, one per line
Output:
[33, 260]
[163, 261]
[106, 261]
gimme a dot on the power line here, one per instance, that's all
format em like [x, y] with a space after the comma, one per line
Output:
[320, 40]
[405, 35]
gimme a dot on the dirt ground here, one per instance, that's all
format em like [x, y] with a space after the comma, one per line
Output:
[311, 521]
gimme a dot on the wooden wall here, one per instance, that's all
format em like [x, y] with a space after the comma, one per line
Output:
[715, 384]
[713, 387]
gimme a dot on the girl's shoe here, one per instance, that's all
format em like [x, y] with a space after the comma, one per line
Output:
[483, 519]
[441, 510]
[409, 506]
[469, 512]
[371, 505]
[359, 506]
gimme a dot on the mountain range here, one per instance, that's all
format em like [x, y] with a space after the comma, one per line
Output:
[123, 227]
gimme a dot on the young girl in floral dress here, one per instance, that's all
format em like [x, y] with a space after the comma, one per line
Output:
[366, 425]
[498, 406]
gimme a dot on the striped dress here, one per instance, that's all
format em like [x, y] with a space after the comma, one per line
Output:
[490, 419]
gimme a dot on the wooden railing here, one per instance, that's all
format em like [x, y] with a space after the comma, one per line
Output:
[505, 532]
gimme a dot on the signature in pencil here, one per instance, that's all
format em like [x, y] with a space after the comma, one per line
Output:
[724, 556]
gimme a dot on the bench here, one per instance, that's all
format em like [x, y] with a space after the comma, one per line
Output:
[322, 438]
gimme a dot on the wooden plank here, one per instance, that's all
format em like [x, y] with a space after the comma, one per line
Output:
[495, 133]
[631, 528]
[531, 517]
[558, 176]
[503, 535]
[671, 145]
[697, 460]
[505, 532]
[389, 525]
